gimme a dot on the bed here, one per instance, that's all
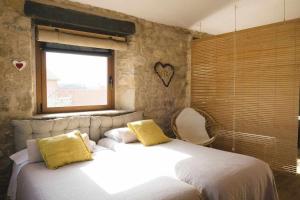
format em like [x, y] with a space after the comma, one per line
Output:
[216, 174]
[174, 170]
[107, 177]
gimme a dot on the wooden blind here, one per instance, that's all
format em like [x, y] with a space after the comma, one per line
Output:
[249, 81]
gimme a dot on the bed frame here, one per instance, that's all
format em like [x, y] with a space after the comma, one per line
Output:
[95, 126]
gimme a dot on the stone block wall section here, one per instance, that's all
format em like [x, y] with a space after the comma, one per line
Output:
[16, 89]
[137, 86]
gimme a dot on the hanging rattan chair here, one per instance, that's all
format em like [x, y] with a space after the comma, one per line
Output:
[195, 126]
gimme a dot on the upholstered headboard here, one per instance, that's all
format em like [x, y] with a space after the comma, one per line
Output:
[95, 126]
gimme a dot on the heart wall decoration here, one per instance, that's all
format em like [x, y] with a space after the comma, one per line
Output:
[19, 65]
[165, 72]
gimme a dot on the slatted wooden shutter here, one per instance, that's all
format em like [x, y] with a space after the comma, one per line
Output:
[249, 81]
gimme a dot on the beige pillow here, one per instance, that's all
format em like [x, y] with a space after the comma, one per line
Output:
[124, 135]
[34, 154]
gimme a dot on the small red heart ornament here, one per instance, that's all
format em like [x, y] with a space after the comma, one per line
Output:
[19, 65]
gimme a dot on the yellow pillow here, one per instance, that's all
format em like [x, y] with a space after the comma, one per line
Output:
[148, 132]
[63, 149]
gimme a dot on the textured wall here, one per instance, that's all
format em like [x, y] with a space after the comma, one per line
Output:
[137, 86]
[152, 43]
[16, 88]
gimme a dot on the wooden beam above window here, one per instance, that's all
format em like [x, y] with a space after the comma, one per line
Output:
[49, 15]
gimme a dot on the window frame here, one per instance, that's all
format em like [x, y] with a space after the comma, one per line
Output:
[41, 83]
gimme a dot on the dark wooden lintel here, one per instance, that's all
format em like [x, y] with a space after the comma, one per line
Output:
[65, 18]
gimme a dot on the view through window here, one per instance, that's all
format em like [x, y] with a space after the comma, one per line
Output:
[75, 80]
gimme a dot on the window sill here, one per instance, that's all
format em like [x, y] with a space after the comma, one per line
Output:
[87, 113]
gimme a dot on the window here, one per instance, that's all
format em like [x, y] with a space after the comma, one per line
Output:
[73, 80]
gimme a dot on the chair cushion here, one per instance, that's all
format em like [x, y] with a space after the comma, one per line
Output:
[191, 126]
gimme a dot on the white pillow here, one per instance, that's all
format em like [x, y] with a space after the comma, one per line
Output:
[92, 145]
[20, 157]
[108, 143]
[33, 150]
[124, 135]
[34, 154]
[89, 143]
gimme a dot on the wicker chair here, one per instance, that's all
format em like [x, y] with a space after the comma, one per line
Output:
[211, 127]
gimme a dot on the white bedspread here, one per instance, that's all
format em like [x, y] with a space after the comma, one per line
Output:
[218, 175]
[108, 177]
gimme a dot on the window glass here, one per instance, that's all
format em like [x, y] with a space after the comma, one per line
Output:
[76, 79]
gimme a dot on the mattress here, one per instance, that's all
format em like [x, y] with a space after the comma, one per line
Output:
[108, 177]
[218, 175]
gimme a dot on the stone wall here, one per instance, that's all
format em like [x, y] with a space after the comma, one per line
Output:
[152, 43]
[168, 46]
[137, 86]
[16, 88]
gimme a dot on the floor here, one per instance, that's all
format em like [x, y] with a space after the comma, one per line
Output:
[288, 185]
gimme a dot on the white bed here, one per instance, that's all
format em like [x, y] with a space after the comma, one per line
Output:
[107, 177]
[218, 175]
[174, 170]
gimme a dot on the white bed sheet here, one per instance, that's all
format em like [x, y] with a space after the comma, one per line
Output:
[12, 187]
[218, 175]
[20, 160]
[108, 177]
